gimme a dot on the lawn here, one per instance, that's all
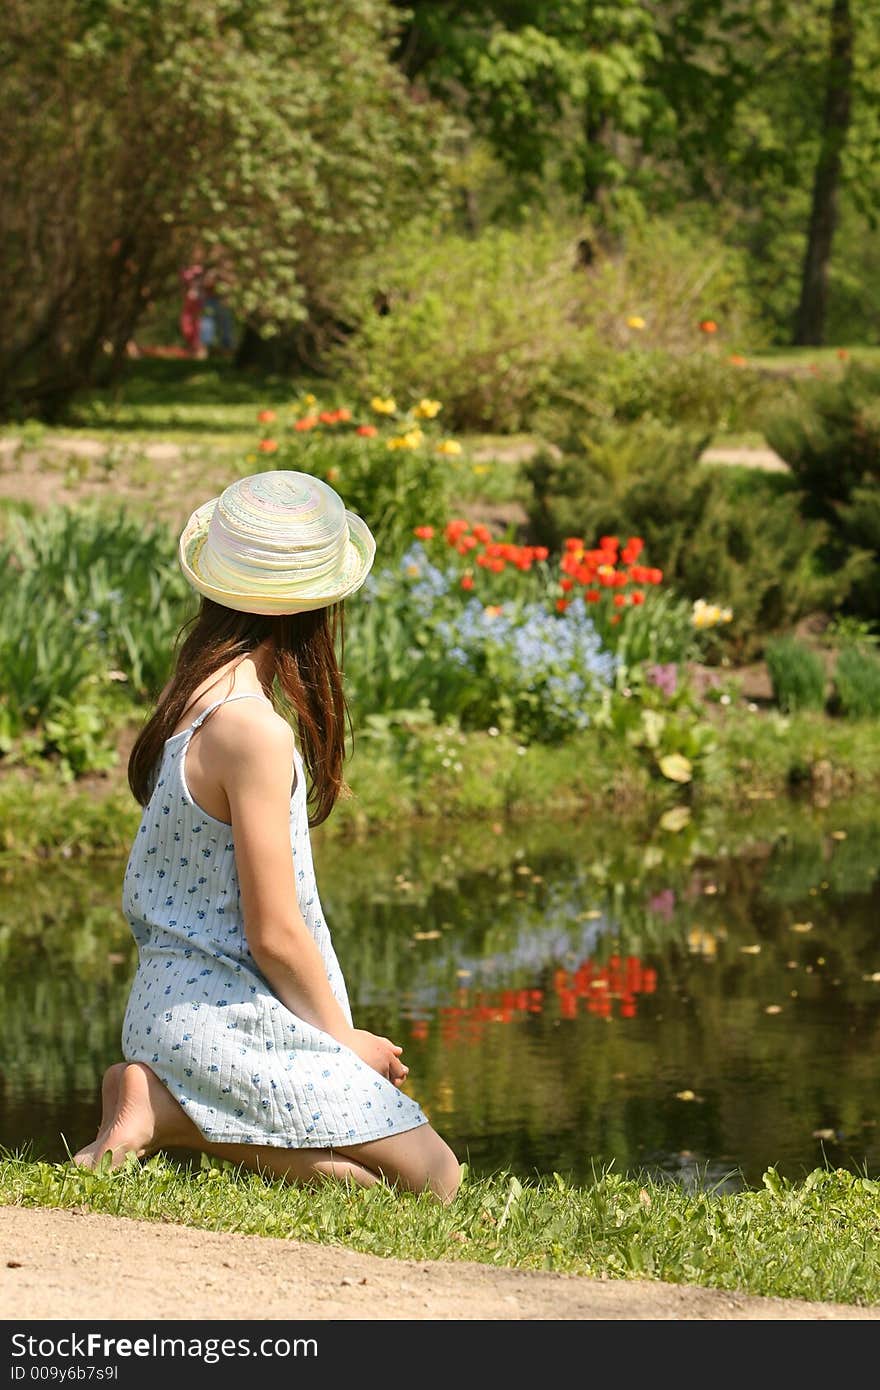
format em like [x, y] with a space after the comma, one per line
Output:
[817, 1239]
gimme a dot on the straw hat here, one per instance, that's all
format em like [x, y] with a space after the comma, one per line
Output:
[277, 542]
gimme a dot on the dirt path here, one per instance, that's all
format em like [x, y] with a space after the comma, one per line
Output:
[66, 1264]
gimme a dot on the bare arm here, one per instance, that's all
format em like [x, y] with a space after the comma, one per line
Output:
[257, 777]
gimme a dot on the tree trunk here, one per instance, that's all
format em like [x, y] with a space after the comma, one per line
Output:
[810, 320]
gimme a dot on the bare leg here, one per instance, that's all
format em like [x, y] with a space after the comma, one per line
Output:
[145, 1117]
[418, 1160]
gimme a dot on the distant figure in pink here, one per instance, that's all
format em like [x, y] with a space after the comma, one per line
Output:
[193, 306]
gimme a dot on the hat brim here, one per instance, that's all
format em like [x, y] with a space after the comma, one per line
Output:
[357, 562]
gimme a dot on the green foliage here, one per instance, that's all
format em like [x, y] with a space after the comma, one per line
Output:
[88, 602]
[744, 547]
[697, 392]
[857, 682]
[141, 136]
[802, 1240]
[830, 438]
[113, 586]
[507, 323]
[797, 674]
[418, 640]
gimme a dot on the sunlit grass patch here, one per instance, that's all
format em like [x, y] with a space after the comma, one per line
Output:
[816, 1239]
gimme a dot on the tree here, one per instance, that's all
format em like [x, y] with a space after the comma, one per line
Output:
[837, 115]
[274, 137]
[557, 87]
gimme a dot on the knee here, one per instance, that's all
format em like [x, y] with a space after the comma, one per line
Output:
[444, 1177]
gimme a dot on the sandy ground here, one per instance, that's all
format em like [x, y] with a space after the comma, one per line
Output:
[67, 1264]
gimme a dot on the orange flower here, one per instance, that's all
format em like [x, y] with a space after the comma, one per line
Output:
[615, 619]
[332, 475]
[566, 585]
[328, 417]
[608, 542]
[620, 600]
[708, 326]
[632, 550]
[366, 431]
[496, 566]
[268, 446]
[736, 359]
[455, 529]
[343, 415]
[592, 596]
[424, 533]
[467, 581]
[637, 597]
[540, 552]
[843, 354]
[308, 422]
[655, 576]
[573, 543]
[482, 533]
[561, 605]
[267, 417]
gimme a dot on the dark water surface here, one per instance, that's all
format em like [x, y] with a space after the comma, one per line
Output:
[704, 1003]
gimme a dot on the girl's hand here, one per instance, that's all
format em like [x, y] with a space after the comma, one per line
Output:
[379, 1053]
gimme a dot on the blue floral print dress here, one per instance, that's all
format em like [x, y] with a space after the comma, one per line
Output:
[200, 1014]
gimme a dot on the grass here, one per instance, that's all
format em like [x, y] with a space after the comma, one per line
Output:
[817, 1239]
[401, 778]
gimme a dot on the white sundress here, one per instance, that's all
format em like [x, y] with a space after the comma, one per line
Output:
[200, 1013]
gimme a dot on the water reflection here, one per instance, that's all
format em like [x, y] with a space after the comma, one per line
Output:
[568, 995]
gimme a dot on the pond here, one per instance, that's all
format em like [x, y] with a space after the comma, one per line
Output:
[569, 995]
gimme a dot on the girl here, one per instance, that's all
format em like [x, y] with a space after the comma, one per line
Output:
[238, 1036]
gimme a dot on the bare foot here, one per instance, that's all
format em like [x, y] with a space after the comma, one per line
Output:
[86, 1157]
[144, 1117]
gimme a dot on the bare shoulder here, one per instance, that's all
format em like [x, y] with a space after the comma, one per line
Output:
[249, 734]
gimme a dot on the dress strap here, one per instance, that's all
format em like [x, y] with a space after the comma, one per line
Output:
[227, 699]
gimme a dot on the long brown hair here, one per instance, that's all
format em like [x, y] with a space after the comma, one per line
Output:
[306, 688]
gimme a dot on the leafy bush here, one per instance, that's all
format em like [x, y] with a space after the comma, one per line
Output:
[743, 541]
[797, 674]
[494, 323]
[857, 682]
[830, 439]
[111, 584]
[590, 398]
[86, 601]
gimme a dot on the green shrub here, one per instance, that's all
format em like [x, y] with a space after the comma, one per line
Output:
[857, 682]
[107, 583]
[797, 674]
[698, 391]
[830, 439]
[742, 544]
[504, 323]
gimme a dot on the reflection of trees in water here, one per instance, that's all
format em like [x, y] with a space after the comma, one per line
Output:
[555, 991]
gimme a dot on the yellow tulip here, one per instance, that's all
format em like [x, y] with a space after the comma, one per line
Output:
[309, 399]
[413, 438]
[450, 447]
[427, 409]
[384, 405]
[635, 321]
